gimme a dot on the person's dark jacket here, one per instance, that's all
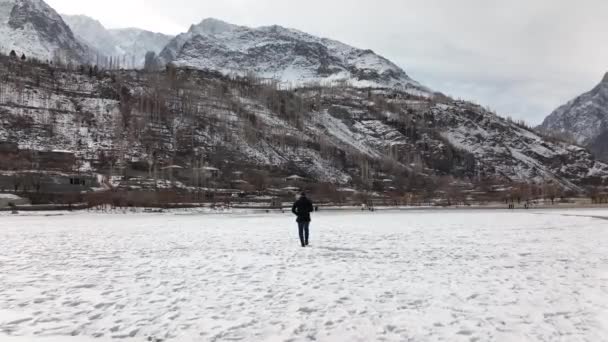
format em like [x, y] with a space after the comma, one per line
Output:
[302, 209]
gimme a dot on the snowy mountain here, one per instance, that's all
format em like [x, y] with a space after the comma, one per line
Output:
[341, 135]
[585, 119]
[374, 126]
[33, 28]
[136, 42]
[92, 32]
[130, 44]
[284, 54]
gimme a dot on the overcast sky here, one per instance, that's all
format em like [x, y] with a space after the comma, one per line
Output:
[522, 58]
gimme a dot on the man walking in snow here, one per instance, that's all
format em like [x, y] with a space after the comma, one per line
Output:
[302, 209]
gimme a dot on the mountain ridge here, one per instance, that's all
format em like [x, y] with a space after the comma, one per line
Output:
[288, 55]
[373, 139]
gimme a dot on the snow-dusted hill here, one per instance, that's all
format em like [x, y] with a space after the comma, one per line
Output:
[33, 28]
[585, 119]
[284, 54]
[130, 44]
[339, 135]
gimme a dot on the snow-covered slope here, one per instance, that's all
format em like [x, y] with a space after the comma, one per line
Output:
[132, 44]
[584, 118]
[339, 135]
[33, 28]
[92, 32]
[504, 148]
[288, 55]
[136, 42]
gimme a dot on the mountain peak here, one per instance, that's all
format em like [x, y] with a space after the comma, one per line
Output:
[34, 28]
[80, 21]
[287, 55]
[212, 26]
[583, 118]
[130, 43]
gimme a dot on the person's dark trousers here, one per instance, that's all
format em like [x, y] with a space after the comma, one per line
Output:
[304, 232]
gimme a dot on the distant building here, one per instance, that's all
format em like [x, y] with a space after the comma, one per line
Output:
[239, 184]
[172, 171]
[290, 190]
[210, 172]
[48, 182]
[295, 178]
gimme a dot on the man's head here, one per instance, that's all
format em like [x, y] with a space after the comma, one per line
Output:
[302, 194]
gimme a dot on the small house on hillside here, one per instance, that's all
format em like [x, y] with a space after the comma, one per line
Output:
[203, 175]
[240, 184]
[210, 172]
[48, 182]
[171, 171]
[72, 182]
[295, 179]
[292, 190]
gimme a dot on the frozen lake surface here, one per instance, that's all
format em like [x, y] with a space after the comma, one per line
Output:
[385, 276]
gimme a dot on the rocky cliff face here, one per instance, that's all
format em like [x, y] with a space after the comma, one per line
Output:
[33, 28]
[585, 119]
[290, 56]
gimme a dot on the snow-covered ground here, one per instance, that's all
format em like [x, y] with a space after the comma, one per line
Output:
[391, 276]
